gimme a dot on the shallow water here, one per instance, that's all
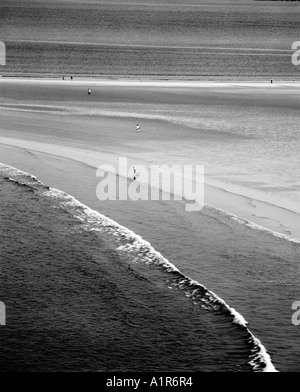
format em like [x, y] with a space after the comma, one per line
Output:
[254, 272]
[74, 302]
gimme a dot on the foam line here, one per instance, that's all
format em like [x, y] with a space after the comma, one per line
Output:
[129, 241]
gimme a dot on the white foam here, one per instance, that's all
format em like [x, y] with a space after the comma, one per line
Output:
[137, 243]
[12, 171]
[94, 220]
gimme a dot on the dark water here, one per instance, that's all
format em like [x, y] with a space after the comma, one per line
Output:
[203, 40]
[68, 271]
[83, 293]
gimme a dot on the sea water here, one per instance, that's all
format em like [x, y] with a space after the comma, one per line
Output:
[85, 293]
[186, 40]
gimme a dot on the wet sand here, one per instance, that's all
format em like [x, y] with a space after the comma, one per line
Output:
[97, 139]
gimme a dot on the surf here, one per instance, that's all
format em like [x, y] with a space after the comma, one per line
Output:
[141, 251]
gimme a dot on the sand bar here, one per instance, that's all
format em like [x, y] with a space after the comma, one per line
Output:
[31, 128]
[147, 82]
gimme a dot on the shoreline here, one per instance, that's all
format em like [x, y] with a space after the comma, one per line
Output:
[261, 353]
[112, 137]
[271, 217]
[61, 135]
[147, 81]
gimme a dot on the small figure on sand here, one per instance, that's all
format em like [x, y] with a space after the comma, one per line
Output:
[63, 78]
[134, 172]
[271, 80]
[138, 128]
[71, 77]
[89, 91]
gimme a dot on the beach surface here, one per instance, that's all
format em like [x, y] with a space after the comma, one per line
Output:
[57, 118]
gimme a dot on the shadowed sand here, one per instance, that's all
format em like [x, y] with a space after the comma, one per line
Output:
[57, 118]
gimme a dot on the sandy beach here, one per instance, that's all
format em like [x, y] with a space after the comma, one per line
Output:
[56, 118]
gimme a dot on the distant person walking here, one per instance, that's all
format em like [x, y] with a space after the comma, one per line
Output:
[134, 172]
[89, 91]
[71, 77]
[138, 128]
